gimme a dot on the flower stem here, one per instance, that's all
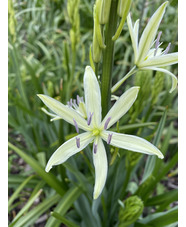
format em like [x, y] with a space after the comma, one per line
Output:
[120, 82]
[108, 53]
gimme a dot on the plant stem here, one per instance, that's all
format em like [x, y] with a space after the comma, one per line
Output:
[108, 53]
[120, 82]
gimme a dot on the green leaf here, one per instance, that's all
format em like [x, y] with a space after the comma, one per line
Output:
[162, 218]
[65, 203]
[18, 190]
[30, 218]
[25, 208]
[63, 220]
[151, 161]
[48, 177]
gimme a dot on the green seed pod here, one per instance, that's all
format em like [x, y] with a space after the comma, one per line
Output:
[133, 208]
[104, 11]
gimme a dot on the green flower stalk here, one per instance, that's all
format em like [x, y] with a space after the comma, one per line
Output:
[87, 116]
[133, 208]
[146, 57]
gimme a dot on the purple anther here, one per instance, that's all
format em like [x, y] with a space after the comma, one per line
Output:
[95, 147]
[81, 98]
[106, 123]
[89, 118]
[157, 43]
[70, 102]
[109, 138]
[167, 49]
[78, 99]
[76, 125]
[78, 142]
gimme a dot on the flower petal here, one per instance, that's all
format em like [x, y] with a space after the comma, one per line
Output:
[64, 112]
[174, 78]
[159, 61]
[150, 31]
[133, 34]
[68, 149]
[92, 95]
[132, 143]
[101, 168]
[121, 106]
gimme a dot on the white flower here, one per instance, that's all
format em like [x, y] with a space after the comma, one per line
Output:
[95, 129]
[146, 57]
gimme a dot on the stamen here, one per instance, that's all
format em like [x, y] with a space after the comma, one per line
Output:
[95, 147]
[71, 102]
[167, 49]
[89, 118]
[76, 125]
[109, 138]
[157, 43]
[81, 98]
[106, 123]
[78, 99]
[78, 142]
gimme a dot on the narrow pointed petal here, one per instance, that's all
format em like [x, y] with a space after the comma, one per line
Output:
[92, 95]
[150, 31]
[68, 149]
[133, 34]
[121, 106]
[101, 168]
[174, 78]
[64, 112]
[132, 143]
[160, 61]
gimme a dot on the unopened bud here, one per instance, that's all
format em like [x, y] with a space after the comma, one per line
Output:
[96, 49]
[122, 10]
[123, 7]
[104, 11]
[130, 211]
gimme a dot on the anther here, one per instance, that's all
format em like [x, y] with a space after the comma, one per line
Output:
[78, 99]
[106, 123]
[76, 125]
[167, 49]
[109, 138]
[95, 147]
[157, 43]
[89, 118]
[70, 102]
[78, 142]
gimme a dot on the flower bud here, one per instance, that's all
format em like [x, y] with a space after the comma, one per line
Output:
[96, 49]
[104, 11]
[130, 212]
[123, 7]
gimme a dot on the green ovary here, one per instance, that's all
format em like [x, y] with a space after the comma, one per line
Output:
[96, 131]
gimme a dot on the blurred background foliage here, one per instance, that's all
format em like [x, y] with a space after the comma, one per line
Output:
[49, 43]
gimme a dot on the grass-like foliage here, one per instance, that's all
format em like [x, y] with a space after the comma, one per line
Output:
[50, 44]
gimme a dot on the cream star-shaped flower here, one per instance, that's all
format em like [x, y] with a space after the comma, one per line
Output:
[146, 57]
[96, 130]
